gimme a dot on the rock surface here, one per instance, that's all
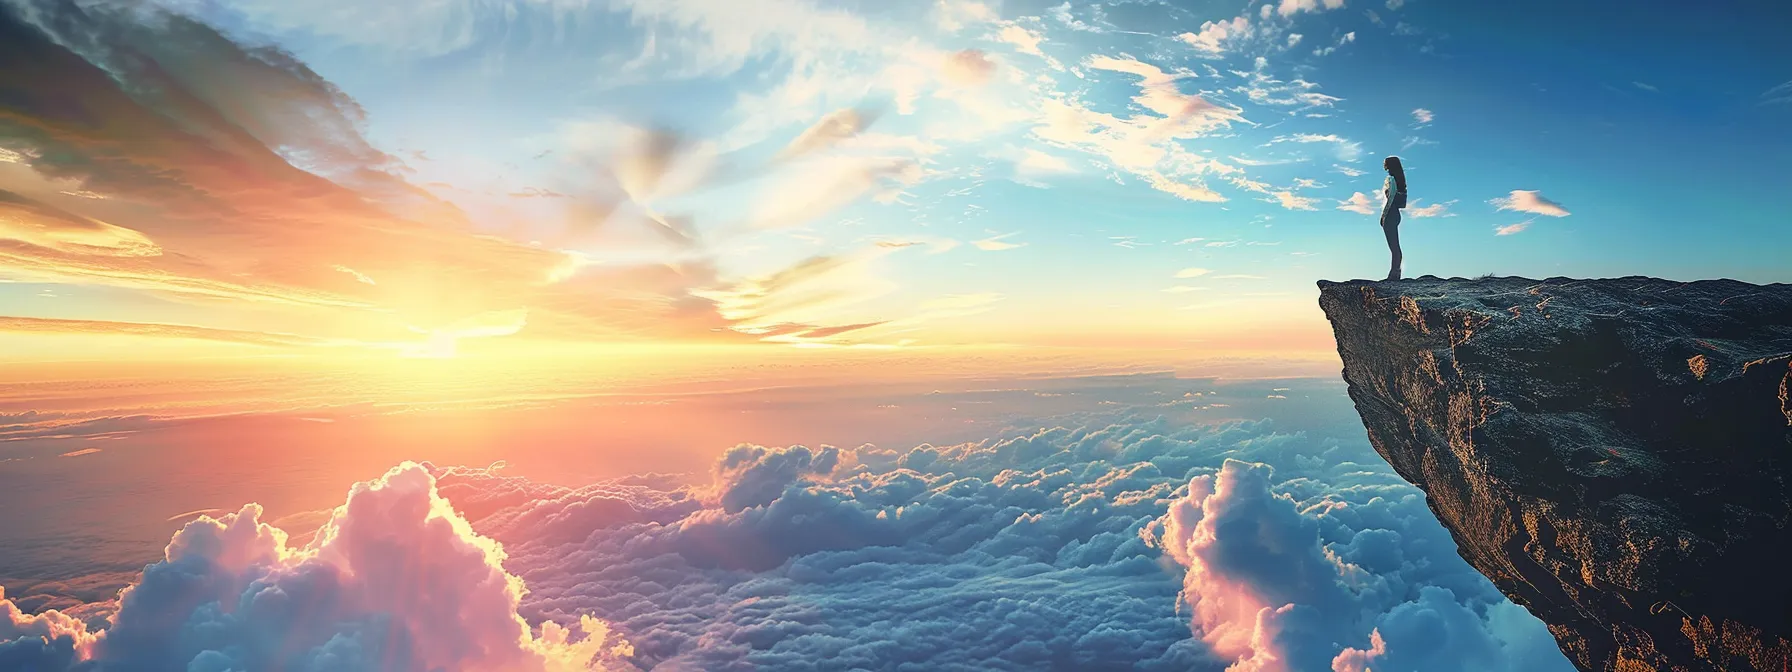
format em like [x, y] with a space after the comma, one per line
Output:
[1616, 455]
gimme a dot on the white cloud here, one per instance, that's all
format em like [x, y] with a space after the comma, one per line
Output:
[997, 244]
[1530, 201]
[1292, 7]
[1433, 210]
[1034, 162]
[1422, 115]
[1347, 170]
[1358, 203]
[1183, 289]
[1239, 276]
[1188, 191]
[1327, 51]
[1143, 144]
[952, 15]
[1187, 273]
[1396, 4]
[1024, 40]
[1293, 40]
[1214, 34]
[357, 275]
[1510, 229]
[1288, 200]
[1347, 150]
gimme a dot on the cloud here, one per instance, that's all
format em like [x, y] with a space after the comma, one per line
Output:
[211, 154]
[952, 15]
[1024, 40]
[1288, 200]
[1415, 141]
[831, 130]
[1347, 38]
[39, 325]
[395, 579]
[1433, 210]
[1058, 544]
[1292, 7]
[28, 221]
[968, 67]
[1214, 34]
[357, 275]
[1347, 170]
[1777, 94]
[1144, 144]
[1036, 549]
[1530, 201]
[1186, 191]
[825, 185]
[1422, 115]
[1357, 660]
[1192, 273]
[791, 302]
[996, 243]
[1347, 150]
[1358, 203]
[1510, 229]
[1396, 4]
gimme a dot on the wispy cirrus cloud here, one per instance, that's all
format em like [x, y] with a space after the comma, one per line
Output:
[1510, 229]
[1434, 210]
[1347, 149]
[998, 243]
[1777, 95]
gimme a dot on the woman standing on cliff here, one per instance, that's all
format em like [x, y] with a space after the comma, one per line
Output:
[1393, 193]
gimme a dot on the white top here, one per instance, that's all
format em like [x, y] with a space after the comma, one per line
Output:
[1387, 191]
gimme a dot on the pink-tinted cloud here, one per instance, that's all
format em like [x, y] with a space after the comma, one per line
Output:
[1358, 660]
[1245, 551]
[1531, 202]
[1358, 203]
[1510, 229]
[395, 579]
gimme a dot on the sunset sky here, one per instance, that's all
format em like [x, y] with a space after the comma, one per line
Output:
[755, 333]
[427, 179]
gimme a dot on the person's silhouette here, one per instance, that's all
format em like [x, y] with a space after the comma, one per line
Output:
[1393, 193]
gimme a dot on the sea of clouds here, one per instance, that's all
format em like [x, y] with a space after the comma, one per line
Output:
[1117, 542]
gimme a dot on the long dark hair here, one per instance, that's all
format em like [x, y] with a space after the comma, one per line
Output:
[1392, 164]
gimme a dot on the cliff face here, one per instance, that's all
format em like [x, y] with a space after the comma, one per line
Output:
[1616, 455]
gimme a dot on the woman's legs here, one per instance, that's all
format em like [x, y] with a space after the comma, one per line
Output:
[1390, 225]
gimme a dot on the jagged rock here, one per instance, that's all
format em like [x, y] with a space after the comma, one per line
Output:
[1614, 454]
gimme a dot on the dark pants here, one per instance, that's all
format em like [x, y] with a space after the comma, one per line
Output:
[1390, 225]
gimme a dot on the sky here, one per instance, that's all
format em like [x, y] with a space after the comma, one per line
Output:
[638, 255]
[427, 179]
